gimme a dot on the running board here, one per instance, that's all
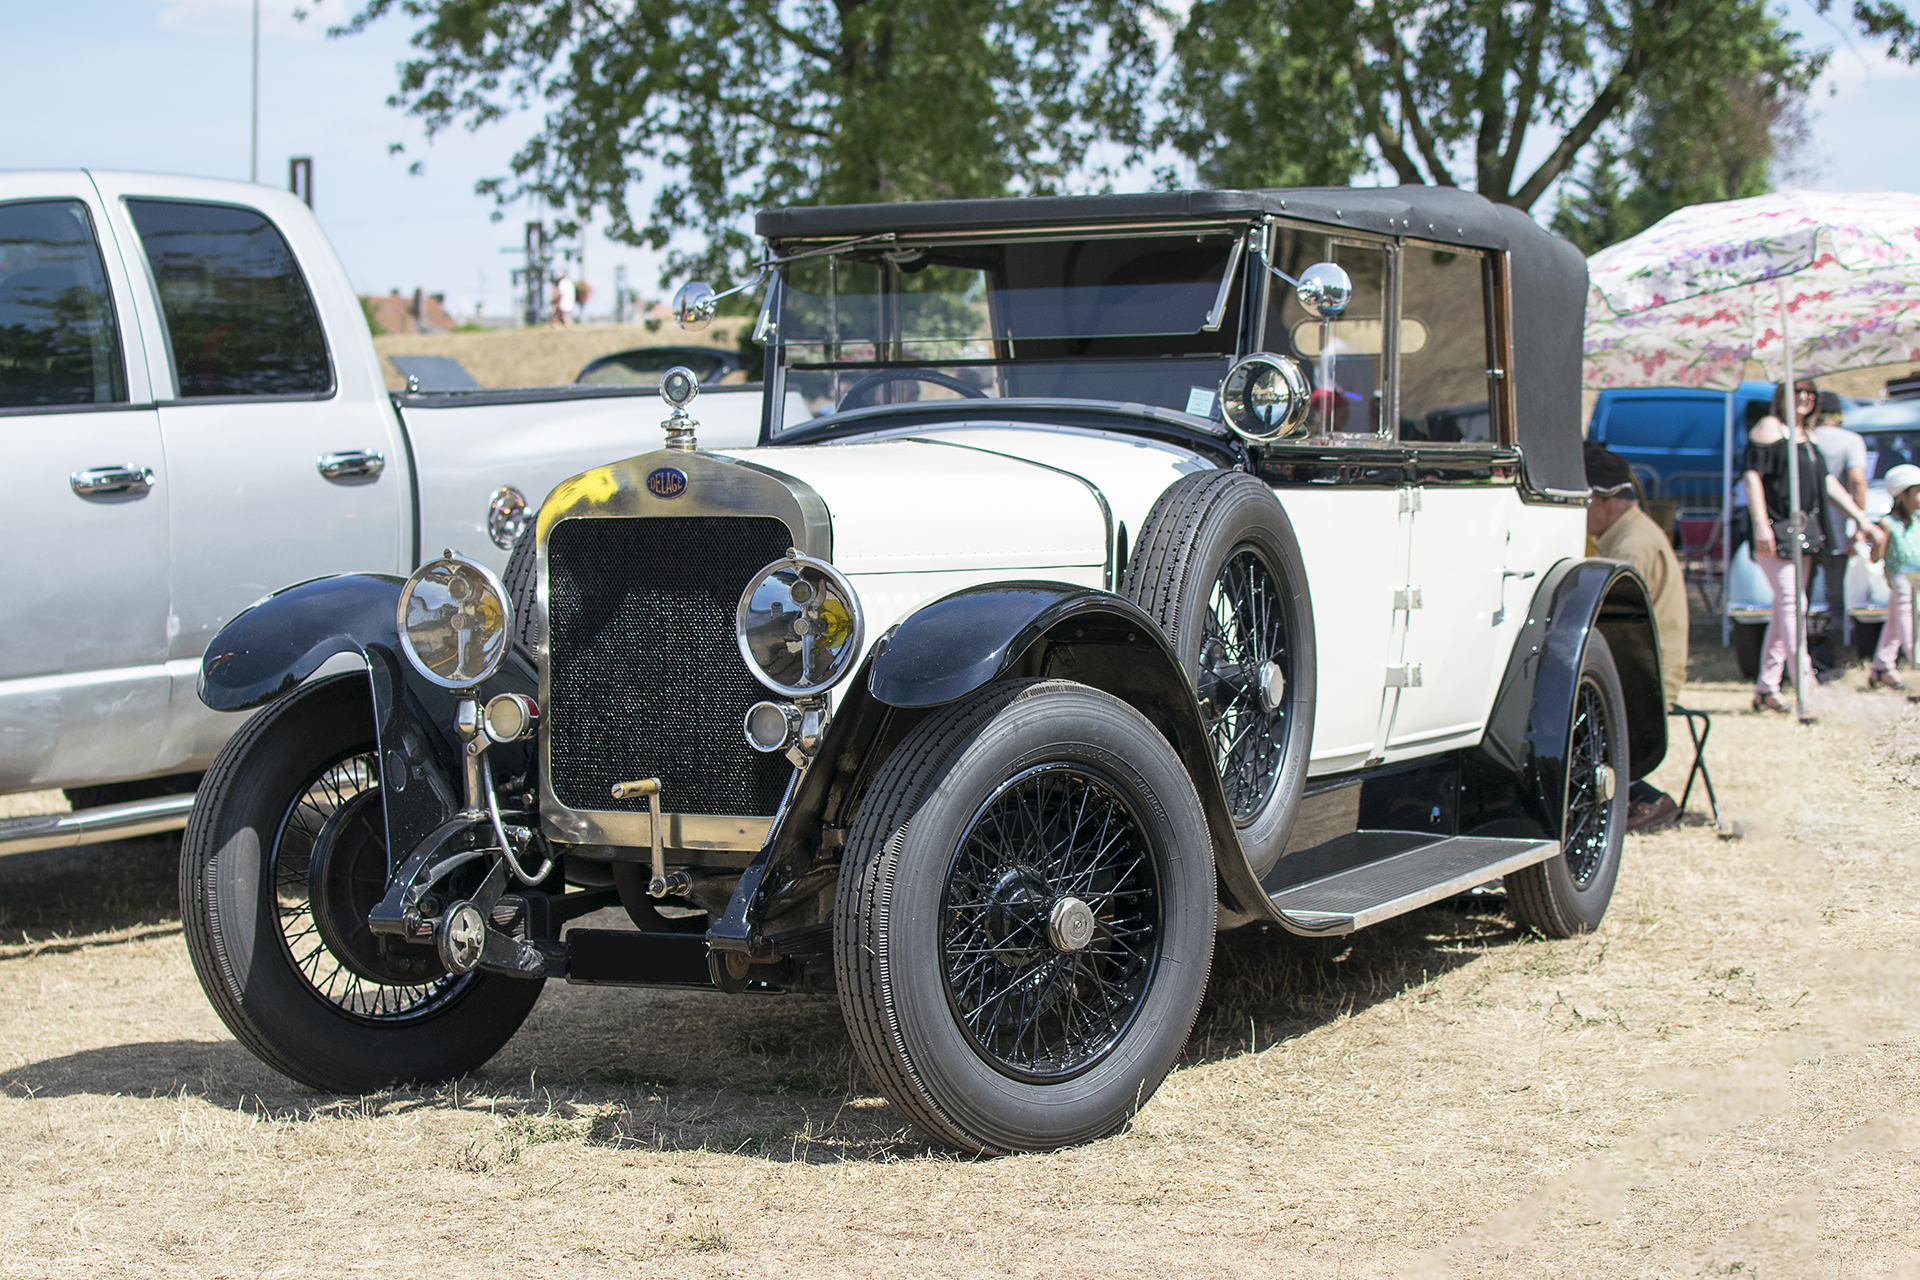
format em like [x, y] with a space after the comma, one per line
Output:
[1391, 886]
[92, 826]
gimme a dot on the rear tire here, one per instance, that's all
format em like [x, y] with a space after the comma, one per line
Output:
[1025, 918]
[1569, 893]
[289, 965]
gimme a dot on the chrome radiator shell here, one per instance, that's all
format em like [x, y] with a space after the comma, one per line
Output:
[701, 487]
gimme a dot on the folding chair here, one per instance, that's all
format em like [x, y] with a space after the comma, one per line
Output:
[1699, 728]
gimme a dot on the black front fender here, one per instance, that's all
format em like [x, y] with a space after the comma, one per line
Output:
[945, 651]
[272, 647]
[1514, 783]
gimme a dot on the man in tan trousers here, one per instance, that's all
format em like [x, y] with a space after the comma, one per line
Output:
[1622, 531]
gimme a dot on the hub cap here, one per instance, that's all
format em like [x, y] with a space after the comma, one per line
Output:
[1050, 923]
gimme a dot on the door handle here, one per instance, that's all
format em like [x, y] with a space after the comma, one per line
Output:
[352, 464]
[106, 482]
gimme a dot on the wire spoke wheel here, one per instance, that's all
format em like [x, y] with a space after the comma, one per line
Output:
[1051, 922]
[1589, 811]
[340, 803]
[1243, 668]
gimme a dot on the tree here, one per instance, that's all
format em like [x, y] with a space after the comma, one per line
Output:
[738, 105]
[1456, 92]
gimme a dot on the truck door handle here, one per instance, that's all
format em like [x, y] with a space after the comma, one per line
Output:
[106, 482]
[352, 464]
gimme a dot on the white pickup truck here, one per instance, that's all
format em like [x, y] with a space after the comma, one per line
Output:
[194, 416]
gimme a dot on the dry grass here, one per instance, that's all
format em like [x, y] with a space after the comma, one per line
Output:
[541, 357]
[1723, 1080]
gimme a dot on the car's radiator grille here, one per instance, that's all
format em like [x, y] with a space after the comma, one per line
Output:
[645, 675]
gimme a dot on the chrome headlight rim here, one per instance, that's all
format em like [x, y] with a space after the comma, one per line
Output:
[416, 659]
[798, 561]
[1235, 387]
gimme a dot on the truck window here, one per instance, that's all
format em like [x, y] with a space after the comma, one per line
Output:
[1445, 394]
[240, 320]
[58, 342]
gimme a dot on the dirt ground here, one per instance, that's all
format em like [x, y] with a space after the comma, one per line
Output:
[1723, 1080]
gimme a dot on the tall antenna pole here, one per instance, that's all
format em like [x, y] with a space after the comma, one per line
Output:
[253, 163]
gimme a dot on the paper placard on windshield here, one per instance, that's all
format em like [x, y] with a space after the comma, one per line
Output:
[1200, 402]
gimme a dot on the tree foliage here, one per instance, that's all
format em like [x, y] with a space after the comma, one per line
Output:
[738, 105]
[728, 106]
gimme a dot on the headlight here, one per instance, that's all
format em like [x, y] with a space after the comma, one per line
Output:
[799, 625]
[1264, 398]
[454, 620]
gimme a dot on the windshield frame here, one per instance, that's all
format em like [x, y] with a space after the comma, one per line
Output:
[1216, 320]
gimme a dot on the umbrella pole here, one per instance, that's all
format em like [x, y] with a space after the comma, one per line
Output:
[1726, 526]
[1795, 519]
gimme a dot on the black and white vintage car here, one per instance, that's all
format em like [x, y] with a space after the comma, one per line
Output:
[1111, 571]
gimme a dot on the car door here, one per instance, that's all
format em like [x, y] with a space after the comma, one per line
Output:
[83, 679]
[1457, 517]
[285, 450]
[1344, 505]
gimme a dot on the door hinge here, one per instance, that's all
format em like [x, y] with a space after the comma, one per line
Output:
[1407, 677]
[1406, 598]
[1409, 500]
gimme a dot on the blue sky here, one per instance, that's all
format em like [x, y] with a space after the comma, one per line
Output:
[164, 85]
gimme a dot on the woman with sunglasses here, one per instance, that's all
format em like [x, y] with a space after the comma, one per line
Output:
[1769, 454]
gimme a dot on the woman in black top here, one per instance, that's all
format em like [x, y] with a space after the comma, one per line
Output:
[1767, 500]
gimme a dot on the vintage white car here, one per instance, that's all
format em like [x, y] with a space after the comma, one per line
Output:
[1112, 571]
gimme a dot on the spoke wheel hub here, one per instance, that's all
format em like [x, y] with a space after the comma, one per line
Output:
[1051, 923]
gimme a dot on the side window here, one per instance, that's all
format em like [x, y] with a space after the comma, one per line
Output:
[58, 343]
[1347, 369]
[240, 320]
[1445, 350]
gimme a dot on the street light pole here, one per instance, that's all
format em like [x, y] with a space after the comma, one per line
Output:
[253, 163]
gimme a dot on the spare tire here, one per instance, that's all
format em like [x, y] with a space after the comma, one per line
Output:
[1218, 567]
[521, 582]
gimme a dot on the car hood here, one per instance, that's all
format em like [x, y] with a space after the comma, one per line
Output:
[1000, 498]
[981, 496]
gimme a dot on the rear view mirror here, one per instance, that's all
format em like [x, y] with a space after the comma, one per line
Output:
[693, 305]
[1324, 290]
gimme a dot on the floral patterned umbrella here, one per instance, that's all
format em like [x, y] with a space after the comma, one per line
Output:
[1689, 300]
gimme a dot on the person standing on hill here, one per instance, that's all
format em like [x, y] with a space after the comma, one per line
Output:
[1622, 531]
[1845, 453]
[1770, 455]
[1902, 552]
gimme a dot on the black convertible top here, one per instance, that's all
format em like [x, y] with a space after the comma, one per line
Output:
[1548, 275]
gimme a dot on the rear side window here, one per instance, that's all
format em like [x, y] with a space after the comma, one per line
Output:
[1445, 347]
[240, 319]
[58, 343]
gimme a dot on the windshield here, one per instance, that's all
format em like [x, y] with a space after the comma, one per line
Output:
[1120, 318]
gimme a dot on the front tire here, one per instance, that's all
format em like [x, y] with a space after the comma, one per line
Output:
[1568, 894]
[1025, 918]
[284, 955]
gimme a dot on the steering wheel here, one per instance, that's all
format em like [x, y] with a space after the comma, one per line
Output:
[855, 393]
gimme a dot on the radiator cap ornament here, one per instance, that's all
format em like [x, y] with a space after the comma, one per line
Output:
[678, 387]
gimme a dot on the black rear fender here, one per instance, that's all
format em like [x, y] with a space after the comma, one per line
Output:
[273, 647]
[1514, 783]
